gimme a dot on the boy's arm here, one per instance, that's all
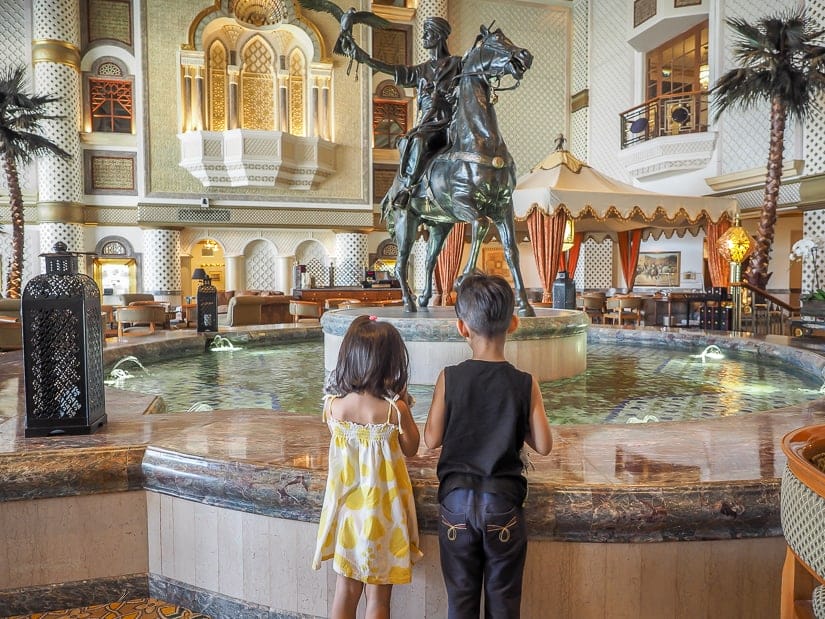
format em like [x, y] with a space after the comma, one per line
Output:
[434, 428]
[410, 437]
[539, 437]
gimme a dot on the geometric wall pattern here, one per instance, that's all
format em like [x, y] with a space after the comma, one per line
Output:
[260, 266]
[70, 234]
[813, 227]
[531, 116]
[418, 265]
[595, 267]
[161, 262]
[814, 149]
[351, 256]
[313, 255]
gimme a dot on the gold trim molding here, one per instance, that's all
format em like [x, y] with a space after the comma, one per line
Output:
[52, 50]
[60, 212]
[579, 101]
[753, 176]
[394, 13]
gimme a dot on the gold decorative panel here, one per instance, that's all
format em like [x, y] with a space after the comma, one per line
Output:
[109, 172]
[217, 87]
[296, 93]
[257, 86]
[110, 19]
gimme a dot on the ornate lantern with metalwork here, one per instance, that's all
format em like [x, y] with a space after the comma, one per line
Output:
[735, 246]
[63, 349]
[207, 302]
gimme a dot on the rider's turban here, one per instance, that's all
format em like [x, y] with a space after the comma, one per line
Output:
[438, 25]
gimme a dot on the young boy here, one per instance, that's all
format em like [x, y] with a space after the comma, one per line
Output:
[482, 413]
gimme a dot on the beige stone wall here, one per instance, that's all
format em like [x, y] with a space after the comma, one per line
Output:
[164, 32]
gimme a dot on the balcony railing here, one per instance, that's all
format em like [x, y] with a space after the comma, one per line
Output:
[686, 112]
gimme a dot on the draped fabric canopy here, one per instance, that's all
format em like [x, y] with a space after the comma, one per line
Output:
[600, 204]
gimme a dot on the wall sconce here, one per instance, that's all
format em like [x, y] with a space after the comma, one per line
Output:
[208, 248]
[569, 235]
[666, 71]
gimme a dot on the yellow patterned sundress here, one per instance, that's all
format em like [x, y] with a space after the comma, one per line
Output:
[368, 525]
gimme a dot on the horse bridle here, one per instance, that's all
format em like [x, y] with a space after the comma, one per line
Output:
[494, 87]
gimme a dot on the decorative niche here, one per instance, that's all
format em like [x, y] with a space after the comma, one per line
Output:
[255, 98]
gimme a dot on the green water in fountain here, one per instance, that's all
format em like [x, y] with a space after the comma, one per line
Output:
[622, 384]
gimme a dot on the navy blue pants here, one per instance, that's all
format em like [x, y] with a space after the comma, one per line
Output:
[482, 538]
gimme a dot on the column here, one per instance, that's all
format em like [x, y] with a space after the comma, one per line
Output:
[314, 103]
[283, 103]
[197, 100]
[283, 273]
[56, 60]
[232, 99]
[234, 273]
[192, 67]
[351, 253]
[161, 264]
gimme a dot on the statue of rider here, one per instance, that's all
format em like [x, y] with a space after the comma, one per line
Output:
[435, 81]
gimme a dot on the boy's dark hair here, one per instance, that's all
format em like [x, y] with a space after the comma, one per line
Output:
[485, 303]
[372, 359]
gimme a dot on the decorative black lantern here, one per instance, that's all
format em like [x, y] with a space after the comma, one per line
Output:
[564, 292]
[207, 303]
[63, 349]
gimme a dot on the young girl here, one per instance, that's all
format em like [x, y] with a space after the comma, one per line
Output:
[368, 525]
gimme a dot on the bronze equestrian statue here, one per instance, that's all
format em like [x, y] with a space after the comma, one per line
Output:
[471, 178]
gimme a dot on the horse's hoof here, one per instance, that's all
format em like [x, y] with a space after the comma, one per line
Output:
[526, 311]
[409, 306]
[423, 302]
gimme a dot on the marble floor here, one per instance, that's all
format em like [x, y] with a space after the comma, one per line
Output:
[143, 608]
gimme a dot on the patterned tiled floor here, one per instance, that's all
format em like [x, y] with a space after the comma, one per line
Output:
[143, 608]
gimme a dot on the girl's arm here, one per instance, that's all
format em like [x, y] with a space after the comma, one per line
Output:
[539, 436]
[434, 428]
[409, 438]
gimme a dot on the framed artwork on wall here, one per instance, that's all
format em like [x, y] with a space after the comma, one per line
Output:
[661, 269]
[494, 263]
[680, 3]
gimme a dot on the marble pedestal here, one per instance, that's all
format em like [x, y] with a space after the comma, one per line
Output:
[551, 345]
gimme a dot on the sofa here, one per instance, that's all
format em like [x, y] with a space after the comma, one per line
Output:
[11, 327]
[256, 309]
[122, 300]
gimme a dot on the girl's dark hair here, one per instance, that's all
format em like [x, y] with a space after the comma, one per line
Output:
[485, 303]
[372, 359]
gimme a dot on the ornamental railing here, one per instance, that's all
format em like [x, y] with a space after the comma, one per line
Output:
[686, 112]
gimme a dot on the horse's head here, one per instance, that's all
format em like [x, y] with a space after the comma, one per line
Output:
[494, 55]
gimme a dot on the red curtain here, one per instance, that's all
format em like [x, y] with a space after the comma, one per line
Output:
[573, 255]
[719, 267]
[629, 244]
[546, 236]
[448, 262]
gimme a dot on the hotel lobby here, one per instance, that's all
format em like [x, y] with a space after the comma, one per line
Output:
[178, 176]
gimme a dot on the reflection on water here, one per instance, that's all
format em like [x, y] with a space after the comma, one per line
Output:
[622, 384]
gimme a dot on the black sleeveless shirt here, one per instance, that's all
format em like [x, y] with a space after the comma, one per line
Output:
[487, 416]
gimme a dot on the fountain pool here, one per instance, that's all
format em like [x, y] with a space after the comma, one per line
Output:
[622, 384]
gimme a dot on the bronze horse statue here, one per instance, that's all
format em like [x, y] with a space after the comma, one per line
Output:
[472, 179]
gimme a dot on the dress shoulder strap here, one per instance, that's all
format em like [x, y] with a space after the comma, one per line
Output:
[327, 410]
[394, 407]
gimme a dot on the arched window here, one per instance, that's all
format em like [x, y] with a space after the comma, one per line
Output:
[110, 105]
[257, 107]
[389, 115]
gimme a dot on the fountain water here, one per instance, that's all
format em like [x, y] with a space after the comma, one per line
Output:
[117, 376]
[221, 343]
[710, 352]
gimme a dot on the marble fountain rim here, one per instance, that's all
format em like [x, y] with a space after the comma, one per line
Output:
[662, 509]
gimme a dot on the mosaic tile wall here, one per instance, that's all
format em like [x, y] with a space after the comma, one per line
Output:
[316, 259]
[161, 262]
[260, 266]
[545, 89]
[418, 265]
[16, 47]
[814, 150]
[595, 268]
[351, 256]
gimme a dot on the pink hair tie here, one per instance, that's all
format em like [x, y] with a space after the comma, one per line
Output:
[373, 317]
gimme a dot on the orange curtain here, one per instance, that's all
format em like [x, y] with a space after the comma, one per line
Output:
[573, 255]
[629, 244]
[448, 262]
[546, 236]
[719, 267]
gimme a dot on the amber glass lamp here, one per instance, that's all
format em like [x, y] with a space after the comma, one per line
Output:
[735, 246]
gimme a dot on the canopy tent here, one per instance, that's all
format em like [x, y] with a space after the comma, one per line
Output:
[602, 205]
[561, 186]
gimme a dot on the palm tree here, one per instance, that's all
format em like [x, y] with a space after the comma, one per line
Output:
[780, 61]
[21, 118]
